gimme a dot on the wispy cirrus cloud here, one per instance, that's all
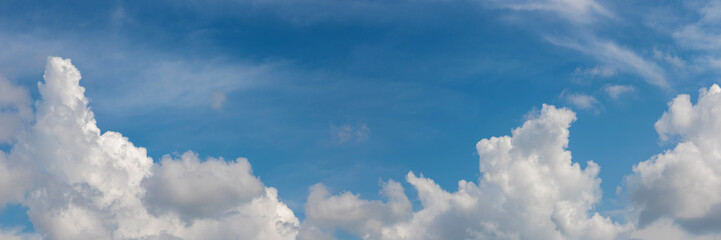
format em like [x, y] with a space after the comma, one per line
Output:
[581, 18]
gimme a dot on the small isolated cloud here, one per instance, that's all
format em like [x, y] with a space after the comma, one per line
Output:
[349, 133]
[580, 100]
[598, 71]
[616, 91]
[217, 99]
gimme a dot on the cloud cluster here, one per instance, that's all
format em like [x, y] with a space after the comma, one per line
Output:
[530, 189]
[79, 183]
[681, 185]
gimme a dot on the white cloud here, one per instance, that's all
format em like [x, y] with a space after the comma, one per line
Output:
[580, 100]
[78, 182]
[682, 183]
[665, 229]
[530, 189]
[13, 180]
[347, 132]
[15, 110]
[617, 57]
[350, 213]
[195, 189]
[616, 91]
[581, 37]
[702, 34]
[141, 79]
[86, 184]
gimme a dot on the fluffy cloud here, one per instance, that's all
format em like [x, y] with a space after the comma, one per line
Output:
[530, 189]
[197, 189]
[348, 212]
[79, 182]
[681, 184]
[82, 183]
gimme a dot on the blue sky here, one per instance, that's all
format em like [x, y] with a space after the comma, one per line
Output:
[352, 94]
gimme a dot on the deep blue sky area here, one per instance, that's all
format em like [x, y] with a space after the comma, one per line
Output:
[350, 94]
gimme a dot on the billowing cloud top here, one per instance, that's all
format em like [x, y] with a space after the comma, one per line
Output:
[684, 183]
[530, 189]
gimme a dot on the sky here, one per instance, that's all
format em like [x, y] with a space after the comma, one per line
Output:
[362, 119]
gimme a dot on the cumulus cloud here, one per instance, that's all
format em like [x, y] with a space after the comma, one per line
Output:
[196, 189]
[78, 182]
[530, 189]
[666, 229]
[82, 183]
[681, 184]
[350, 213]
[13, 181]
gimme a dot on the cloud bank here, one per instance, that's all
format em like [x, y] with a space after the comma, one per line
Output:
[78, 182]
